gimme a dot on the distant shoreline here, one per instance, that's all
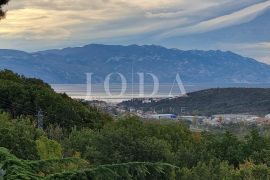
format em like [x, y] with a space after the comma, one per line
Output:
[79, 91]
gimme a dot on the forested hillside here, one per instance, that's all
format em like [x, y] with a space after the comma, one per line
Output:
[129, 149]
[88, 144]
[212, 101]
[26, 96]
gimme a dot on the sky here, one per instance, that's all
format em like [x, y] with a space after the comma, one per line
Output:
[241, 26]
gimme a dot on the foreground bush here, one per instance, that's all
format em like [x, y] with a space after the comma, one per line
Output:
[14, 168]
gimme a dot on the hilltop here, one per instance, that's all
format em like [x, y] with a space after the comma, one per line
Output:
[213, 101]
[21, 96]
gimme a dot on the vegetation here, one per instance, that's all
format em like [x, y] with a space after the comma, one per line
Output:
[48, 149]
[126, 148]
[19, 135]
[132, 149]
[26, 96]
[254, 101]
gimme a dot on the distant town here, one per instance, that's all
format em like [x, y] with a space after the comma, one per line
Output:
[196, 122]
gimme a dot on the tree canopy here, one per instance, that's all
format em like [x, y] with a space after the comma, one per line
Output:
[2, 3]
[26, 96]
[80, 142]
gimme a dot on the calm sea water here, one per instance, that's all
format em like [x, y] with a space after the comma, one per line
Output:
[165, 90]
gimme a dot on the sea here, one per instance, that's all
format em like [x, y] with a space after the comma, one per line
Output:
[117, 93]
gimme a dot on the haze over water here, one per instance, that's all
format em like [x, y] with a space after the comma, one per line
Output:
[79, 91]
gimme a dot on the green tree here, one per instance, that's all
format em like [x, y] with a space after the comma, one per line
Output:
[80, 141]
[215, 170]
[19, 136]
[24, 96]
[129, 139]
[226, 147]
[257, 148]
[48, 149]
[249, 170]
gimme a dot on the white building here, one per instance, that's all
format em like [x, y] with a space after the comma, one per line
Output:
[162, 116]
[234, 118]
[267, 116]
[198, 119]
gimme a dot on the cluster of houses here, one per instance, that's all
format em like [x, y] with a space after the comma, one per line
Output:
[214, 120]
[219, 119]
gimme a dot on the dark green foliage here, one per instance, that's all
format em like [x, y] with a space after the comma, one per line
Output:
[214, 170]
[63, 169]
[5, 155]
[136, 171]
[52, 166]
[24, 148]
[127, 148]
[229, 148]
[257, 148]
[19, 137]
[213, 101]
[25, 96]
[15, 168]
[130, 139]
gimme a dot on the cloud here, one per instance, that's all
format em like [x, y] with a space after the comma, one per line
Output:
[235, 18]
[73, 21]
[37, 24]
[257, 50]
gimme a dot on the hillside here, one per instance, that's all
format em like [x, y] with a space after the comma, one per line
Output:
[69, 65]
[131, 149]
[89, 145]
[213, 101]
[26, 96]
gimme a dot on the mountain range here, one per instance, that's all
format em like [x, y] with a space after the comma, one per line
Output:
[70, 65]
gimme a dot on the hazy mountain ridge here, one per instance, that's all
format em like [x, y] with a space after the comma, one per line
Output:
[69, 65]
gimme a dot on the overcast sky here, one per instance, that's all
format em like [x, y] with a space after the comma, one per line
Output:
[242, 26]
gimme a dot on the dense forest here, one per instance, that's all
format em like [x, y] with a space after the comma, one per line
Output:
[128, 148]
[255, 101]
[89, 144]
[27, 96]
